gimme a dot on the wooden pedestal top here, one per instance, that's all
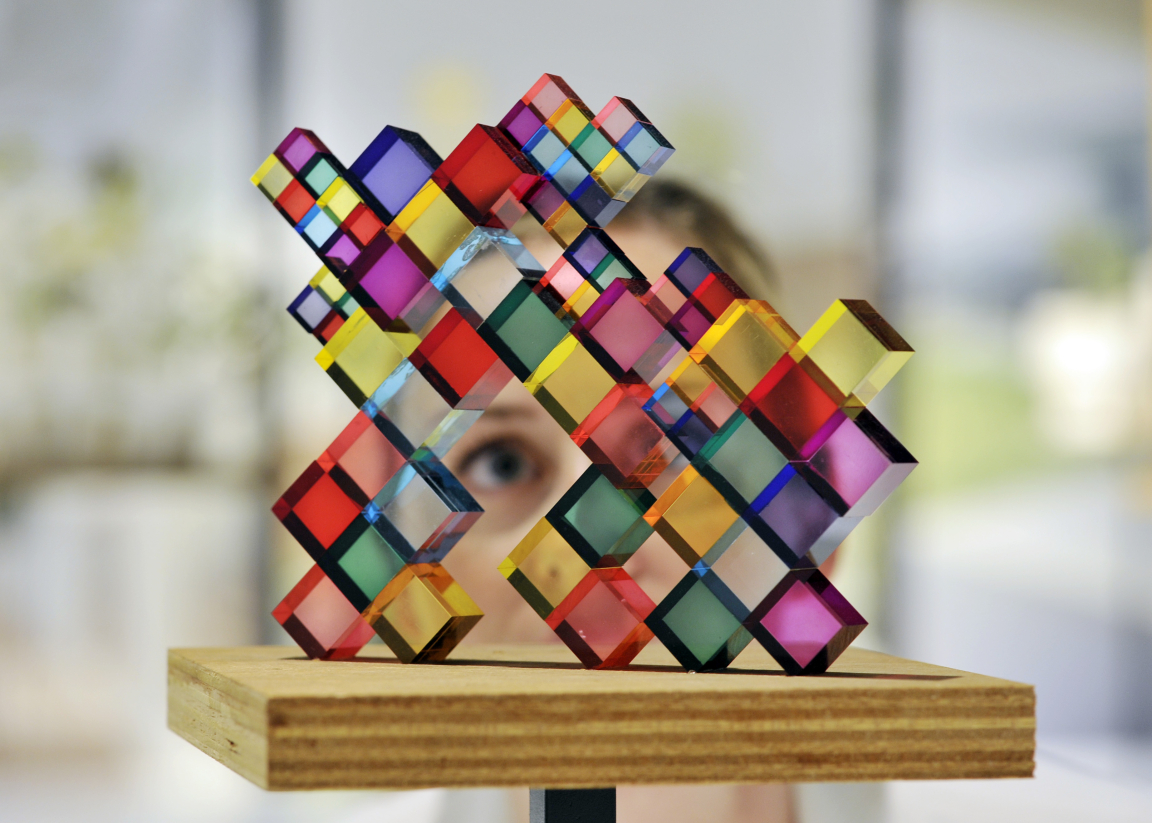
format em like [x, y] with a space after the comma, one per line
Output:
[532, 716]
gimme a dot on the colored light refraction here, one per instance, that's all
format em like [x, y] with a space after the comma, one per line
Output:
[710, 424]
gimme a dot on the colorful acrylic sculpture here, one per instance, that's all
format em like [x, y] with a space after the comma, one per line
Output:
[713, 428]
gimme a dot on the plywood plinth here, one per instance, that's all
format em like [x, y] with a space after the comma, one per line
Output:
[530, 715]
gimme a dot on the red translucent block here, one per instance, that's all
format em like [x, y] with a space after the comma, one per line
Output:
[482, 171]
[794, 405]
[602, 619]
[713, 406]
[295, 202]
[362, 225]
[327, 330]
[716, 294]
[548, 94]
[561, 281]
[316, 510]
[621, 439]
[805, 623]
[361, 457]
[460, 365]
[618, 117]
[335, 488]
[321, 619]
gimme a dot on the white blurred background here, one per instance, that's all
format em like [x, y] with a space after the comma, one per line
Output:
[976, 168]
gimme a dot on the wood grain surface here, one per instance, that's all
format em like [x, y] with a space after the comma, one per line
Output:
[532, 716]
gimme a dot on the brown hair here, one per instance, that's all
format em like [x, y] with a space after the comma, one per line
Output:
[681, 210]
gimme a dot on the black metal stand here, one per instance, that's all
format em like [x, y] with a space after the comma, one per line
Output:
[572, 805]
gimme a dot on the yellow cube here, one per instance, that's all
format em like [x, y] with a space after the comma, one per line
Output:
[432, 223]
[569, 383]
[565, 225]
[567, 122]
[746, 341]
[325, 282]
[272, 177]
[422, 613]
[615, 173]
[543, 568]
[689, 381]
[856, 348]
[339, 200]
[693, 517]
[360, 356]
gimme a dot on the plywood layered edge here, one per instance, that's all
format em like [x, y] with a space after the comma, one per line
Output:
[517, 716]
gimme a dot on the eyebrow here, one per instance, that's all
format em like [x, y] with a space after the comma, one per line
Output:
[503, 412]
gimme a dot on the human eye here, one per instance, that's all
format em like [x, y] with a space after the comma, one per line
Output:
[499, 465]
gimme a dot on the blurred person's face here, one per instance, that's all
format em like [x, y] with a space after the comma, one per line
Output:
[517, 461]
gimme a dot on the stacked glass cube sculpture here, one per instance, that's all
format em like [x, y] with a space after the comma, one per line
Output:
[713, 428]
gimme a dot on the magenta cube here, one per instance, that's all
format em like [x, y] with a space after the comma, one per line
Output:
[620, 325]
[805, 623]
[858, 465]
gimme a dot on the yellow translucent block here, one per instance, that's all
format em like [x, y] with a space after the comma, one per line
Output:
[614, 172]
[272, 177]
[581, 299]
[364, 352]
[856, 348]
[543, 568]
[422, 613]
[741, 347]
[325, 282]
[634, 185]
[339, 199]
[565, 225]
[416, 207]
[567, 122]
[432, 222]
[406, 341]
[569, 383]
[562, 351]
[689, 380]
[692, 516]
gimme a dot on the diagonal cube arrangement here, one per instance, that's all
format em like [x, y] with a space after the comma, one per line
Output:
[712, 427]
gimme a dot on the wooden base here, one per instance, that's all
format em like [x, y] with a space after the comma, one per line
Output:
[532, 716]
